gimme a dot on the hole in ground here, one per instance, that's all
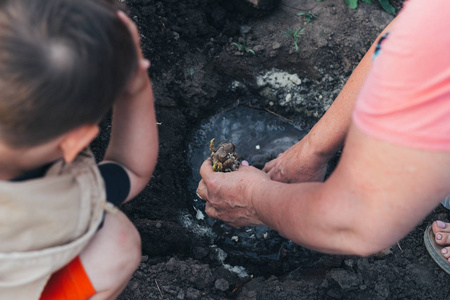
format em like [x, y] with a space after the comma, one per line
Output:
[259, 137]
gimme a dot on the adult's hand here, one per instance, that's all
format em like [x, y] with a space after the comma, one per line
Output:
[297, 165]
[228, 196]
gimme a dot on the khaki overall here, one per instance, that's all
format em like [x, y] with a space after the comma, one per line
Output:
[46, 222]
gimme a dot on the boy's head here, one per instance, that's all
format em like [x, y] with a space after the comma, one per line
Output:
[62, 65]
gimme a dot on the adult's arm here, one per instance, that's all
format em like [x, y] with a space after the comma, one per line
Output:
[307, 160]
[395, 165]
[378, 193]
[134, 136]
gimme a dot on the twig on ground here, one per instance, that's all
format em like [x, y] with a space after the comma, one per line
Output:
[278, 115]
[157, 285]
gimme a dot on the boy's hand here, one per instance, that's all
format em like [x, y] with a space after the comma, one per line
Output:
[139, 80]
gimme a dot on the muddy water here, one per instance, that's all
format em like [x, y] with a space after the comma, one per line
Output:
[259, 137]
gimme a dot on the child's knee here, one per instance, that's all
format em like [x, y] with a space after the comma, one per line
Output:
[114, 254]
[127, 244]
[133, 253]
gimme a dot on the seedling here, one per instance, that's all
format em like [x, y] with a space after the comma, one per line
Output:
[294, 35]
[243, 47]
[224, 158]
[353, 4]
[308, 16]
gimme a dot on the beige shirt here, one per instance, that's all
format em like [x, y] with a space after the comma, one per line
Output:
[46, 222]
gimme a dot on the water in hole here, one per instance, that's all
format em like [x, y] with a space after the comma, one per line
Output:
[259, 137]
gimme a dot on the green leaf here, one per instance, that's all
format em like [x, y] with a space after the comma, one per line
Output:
[387, 6]
[367, 1]
[353, 4]
[240, 47]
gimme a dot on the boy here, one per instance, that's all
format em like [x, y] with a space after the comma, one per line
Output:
[63, 63]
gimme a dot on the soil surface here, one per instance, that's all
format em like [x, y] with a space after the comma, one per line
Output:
[198, 72]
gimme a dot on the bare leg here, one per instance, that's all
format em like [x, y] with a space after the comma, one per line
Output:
[113, 255]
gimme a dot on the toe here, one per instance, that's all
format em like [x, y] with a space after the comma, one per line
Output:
[439, 226]
[446, 252]
[442, 238]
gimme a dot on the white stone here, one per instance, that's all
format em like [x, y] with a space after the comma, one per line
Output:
[288, 97]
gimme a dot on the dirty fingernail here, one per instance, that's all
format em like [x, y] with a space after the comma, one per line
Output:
[245, 163]
[439, 237]
[444, 251]
[441, 224]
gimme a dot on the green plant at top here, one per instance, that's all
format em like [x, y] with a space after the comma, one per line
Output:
[353, 4]
[243, 47]
[294, 35]
[308, 16]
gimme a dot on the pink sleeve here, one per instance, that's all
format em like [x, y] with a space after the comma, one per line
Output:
[406, 97]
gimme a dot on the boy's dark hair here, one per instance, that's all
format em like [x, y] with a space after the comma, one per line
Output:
[62, 65]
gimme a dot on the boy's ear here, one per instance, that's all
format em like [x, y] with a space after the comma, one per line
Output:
[76, 140]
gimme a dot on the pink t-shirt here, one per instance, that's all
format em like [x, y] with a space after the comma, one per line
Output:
[406, 97]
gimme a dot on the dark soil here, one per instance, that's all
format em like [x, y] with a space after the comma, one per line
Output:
[198, 72]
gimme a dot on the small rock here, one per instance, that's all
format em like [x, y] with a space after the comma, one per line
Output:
[325, 284]
[193, 294]
[181, 295]
[169, 290]
[346, 279]
[200, 252]
[382, 290]
[171, 264]
[221, 284]
[258, 48]
[273, 53]
[288, 97]
[276, 46]
[245, 29]
[295, 79]
[134, 286]
[349, 263]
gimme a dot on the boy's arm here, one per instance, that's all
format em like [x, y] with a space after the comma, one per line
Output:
[134, 136]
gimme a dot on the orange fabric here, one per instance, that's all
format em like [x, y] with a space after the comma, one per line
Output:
[69, 283]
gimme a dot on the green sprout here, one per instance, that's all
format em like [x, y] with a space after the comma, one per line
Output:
[353, 4]
[217, 166]
[244, 47]
[211, 145]
[308, 16]
[294, 35]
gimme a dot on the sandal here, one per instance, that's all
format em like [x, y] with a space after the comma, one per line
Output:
[435, 250]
